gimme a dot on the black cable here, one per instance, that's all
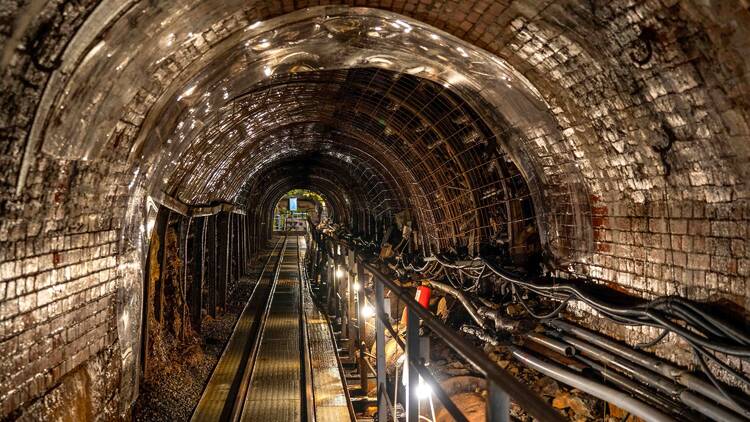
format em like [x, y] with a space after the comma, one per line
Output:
[719, 386]
[629, 314]
[546, 316]
[653, 342]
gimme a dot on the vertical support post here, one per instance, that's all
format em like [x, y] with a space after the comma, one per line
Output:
[211, 264]
[331, 286]
[159, 296]
[312, 254]
[238, 245]
[159, 234]
[411, 372]
[230, 252]
[498, 404]
[245, 255]
[222, 261]
[185, 234]
[196, 287]
[351, 311]
[341, 287]
[331, 281]
[380, 349]
[236, 248]
[361, 328]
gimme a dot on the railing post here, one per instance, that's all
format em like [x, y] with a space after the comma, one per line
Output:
[331, 286]
[361, 326]
[351, 308]
[380, 349]
[411, 372]
[498, 403]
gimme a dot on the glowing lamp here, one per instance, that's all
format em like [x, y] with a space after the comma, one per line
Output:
[367, 311]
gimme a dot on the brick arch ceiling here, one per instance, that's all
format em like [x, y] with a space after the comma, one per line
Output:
[456, 133]
[647, 101]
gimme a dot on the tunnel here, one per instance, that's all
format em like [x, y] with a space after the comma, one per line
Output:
[394, 209]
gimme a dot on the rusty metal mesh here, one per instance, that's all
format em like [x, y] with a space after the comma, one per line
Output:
[408, 142]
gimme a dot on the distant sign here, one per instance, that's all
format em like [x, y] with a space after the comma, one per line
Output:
[292, 204]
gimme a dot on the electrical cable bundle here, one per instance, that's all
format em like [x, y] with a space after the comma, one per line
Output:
[705, 333]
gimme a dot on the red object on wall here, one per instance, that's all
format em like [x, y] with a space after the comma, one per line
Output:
[423, 296]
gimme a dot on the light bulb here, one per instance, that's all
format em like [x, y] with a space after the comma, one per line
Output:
[340, 273]
[356, 286]
[368, 311]
[423, 389]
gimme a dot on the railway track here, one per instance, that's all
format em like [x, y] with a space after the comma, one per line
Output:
[275, 360]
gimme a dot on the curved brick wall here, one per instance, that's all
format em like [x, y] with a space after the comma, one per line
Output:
[651, 103]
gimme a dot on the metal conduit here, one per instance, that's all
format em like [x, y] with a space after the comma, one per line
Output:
[462, 298]
[550, 343]
[618, 398]
[669, 371]
[646, 394]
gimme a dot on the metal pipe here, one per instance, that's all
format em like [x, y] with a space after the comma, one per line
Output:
[461, 298]
[550, 343]
[641, 374]
[618, 398]
[501, 323]
[670, 371]
[646, 394]
[649, 377]
[708, 408]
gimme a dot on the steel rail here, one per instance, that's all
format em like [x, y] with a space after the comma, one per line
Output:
[205, 409]
[308, 391]
[249, 368]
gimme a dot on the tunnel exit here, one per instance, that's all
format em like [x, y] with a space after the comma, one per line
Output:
[298, 207]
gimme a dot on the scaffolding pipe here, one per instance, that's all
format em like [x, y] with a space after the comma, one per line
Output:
[616, 397]
[670, 371]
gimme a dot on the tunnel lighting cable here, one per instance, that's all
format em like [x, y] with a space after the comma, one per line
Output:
[641, 314]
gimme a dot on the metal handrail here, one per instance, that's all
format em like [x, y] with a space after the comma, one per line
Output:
[528, 400]
[498, 379]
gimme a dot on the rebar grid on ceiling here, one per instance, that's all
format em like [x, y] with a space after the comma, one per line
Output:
[395, 129]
